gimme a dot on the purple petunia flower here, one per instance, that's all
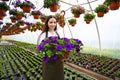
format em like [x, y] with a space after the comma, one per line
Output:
[54, 57]
[45, 58]
[66, 39]
[40, 47]
[77, 48]
[52, 49]
[78, 41]
[69, 46]
[47, 41]
[59, 47]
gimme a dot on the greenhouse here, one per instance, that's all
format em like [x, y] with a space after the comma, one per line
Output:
[59, 40]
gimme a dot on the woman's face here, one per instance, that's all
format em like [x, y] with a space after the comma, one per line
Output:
[52, 23]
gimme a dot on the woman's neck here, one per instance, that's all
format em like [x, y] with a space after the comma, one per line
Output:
[51, 31]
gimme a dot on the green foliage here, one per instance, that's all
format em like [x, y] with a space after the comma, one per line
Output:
[72, 20]
[77, 10]
[48, 3]
[39, 23]
[89, 16]
[100, 8]
[107, 2]
[3, 5]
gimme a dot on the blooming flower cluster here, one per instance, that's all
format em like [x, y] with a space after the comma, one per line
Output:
[78, 9]
[36, 12]
[53, 47]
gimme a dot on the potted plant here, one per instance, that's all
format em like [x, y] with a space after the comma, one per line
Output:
[21, 22]
[25, 6]
[100, 10]
[113, 4]
[88, 17]
[12, 11]
[3, 7]
[13, 19]
[19, 14]
[52, 4]
[77, 11]
[52, 48]
[72, 21]
[43, 18]
[39, 25]
[36, 14]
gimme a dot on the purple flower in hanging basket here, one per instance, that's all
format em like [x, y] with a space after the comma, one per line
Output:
[52, 47]
[69, 46]
[40, 47]
[54, 57]
[45, 58]
[59, 47]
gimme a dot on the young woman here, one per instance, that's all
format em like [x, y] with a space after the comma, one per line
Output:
[52, 70]
[50, 29]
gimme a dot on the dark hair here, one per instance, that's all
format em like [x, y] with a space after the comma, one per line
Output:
[46, 28]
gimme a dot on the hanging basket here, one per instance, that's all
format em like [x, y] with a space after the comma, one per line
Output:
[88, 21]
[114, 5]
[2, 11]
[36, 16]
[1, 17]
[26, 9]
[43, 20]
[72, 23]
[53, 8]
[76, 15]
[19, 16]
[13, 20]
[100, 14]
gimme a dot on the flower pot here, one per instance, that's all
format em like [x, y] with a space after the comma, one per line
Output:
[19, 16]
[114, 5]
[43, 19]
[88, 21]
[53, 70]
[22, 24]
[76, 15]
[2, 11]
[36, 16]
[72, 23]
[26, 9]
[100, 14]
[13, 20]
[53, 8]
[61, 57]
[1, 17]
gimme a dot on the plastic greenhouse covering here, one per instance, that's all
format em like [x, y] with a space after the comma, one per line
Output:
[99, 37]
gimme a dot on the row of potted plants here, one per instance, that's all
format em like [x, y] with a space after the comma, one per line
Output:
[25, 65]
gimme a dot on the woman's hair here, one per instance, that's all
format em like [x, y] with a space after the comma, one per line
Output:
[46, 28]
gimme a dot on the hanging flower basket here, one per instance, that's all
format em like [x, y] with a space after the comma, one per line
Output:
[100, 10]
[77, 11]
[25, 6]
[114, 5]
[52, 4]
[88, 17]
[1, 17]
[36, 14]
[53, 8]
[13, 19]
[21, 22]
[43, 18]
[72, 22]
[88, 21]
[3, 7]
[100, 14]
